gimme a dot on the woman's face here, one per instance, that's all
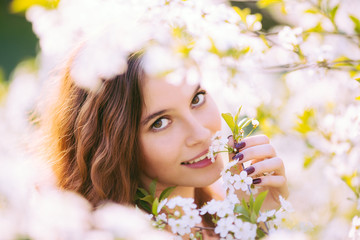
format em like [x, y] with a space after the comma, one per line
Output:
[177, 124]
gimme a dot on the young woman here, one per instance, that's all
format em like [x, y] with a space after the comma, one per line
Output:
[137, 128]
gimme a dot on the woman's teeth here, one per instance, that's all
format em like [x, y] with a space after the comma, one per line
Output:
[195, 161]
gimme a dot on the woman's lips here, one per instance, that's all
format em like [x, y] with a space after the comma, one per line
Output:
[199, 162]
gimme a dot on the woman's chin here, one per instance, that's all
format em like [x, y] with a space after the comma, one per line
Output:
[212, 174]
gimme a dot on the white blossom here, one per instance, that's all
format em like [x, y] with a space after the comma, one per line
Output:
[224, 226]
[161, 217]
[184, 203]
[228, 166]
[252, 22]
[355, 228]
[179, 226]
[242, 181]
[192, 217]
[286, 205]
[255, 123]
[218, 144]
[244, 230]
[265, 215]
[161, 204]
[290, 37]
[211, 207]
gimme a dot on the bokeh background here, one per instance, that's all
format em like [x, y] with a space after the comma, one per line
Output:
[305, 94]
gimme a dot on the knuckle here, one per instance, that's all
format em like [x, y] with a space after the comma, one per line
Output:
[264, 138]
[248, 153]
[271, 149]
[282, 180]
[279, 162]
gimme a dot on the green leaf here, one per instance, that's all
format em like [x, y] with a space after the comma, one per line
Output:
[305, 121]
[240, 209]
[166, 193]
[333, 12]
[253, 217]
[266, 3]
[251, 202]
[198, 235]
[143, 191]
[266, 42]
[342, 61]
[245, 205]
[317, 28]
[237, 116]
[259, 201]
[18, 6]
[152, 187]
[245, 123]
[308, 160]
[144, 205]
[242, 13]
[312, 11]
[356, 21]
[244, 218]
[260, 233]
[155, 206]
[149, 199]
[348, 179]
[229, 120]
[283, 8]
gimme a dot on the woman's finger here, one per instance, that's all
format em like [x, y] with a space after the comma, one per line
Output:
[246, 143]
[249, 141]
[270, 181]
[275, 165]
[256, 152]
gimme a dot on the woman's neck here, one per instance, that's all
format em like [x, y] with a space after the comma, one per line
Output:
[185, 192]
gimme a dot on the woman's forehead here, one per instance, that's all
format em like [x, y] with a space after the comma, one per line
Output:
[160, 93]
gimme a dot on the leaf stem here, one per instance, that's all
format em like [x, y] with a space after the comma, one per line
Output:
[253, 199]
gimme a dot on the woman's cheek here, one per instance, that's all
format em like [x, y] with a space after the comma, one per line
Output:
[162, 147]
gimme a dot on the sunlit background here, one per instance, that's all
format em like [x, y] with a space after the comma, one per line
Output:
[301, 82]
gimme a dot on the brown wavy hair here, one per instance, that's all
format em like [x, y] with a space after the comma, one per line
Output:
[93, 138]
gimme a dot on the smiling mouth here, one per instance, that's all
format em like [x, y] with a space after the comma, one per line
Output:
[195, 160]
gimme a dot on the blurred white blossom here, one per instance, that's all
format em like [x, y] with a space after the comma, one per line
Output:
[289, 38]
[355, 228]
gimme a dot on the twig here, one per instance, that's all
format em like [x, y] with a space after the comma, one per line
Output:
[265, 223]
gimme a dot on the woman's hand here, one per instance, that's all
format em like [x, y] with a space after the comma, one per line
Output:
[266, 169]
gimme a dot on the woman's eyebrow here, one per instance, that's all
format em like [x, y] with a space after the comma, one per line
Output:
[196, 89]
[154, 115]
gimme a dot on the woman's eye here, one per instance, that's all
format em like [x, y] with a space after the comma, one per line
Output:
[198, 99]
[161, 123]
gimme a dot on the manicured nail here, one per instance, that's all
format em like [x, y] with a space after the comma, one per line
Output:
[240, 145]
[249, 170]
[230, 136]
[238, 156]
[256, 180]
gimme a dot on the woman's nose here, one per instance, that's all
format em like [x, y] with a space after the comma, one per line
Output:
[197, 132]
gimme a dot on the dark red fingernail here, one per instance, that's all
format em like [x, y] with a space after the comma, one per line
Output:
[240, 145]
[256, 180]
[249, 170]
[238, 156]
[230, 136]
